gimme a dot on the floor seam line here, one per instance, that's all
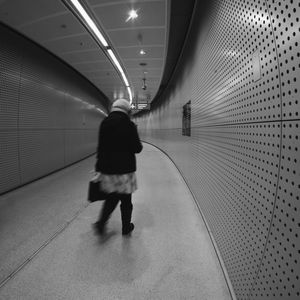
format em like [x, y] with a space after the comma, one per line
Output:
[44, 245]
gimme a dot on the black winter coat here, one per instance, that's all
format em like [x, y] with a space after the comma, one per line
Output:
[118, 143]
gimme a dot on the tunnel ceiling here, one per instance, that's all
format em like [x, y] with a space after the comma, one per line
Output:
[52, 25]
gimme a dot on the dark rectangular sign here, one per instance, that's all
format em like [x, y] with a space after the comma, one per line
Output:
[186, 119]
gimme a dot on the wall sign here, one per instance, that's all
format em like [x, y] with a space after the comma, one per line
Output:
[186, 119]
[256, 65]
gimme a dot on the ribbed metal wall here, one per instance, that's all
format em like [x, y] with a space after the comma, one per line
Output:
[47, 117]
[242, 160]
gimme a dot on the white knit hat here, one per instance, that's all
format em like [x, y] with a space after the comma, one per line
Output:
[121, 105]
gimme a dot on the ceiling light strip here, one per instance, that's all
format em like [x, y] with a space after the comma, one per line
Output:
[94, 28]
[130, 94]
[116, 62]
[91, 24]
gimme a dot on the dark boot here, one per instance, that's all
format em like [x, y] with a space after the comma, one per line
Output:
[126, 212]
[100, 227]
[128, 229]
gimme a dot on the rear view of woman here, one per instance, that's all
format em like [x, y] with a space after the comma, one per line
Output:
[118, 143]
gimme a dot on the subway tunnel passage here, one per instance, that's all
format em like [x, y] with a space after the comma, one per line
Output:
[169, 255]
[213, 84]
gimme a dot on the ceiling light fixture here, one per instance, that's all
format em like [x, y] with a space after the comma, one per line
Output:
[132, 15]
[130, 94]
[89, 22]
[142, 52]
[101, 111]
[117, 64]
[93, 28]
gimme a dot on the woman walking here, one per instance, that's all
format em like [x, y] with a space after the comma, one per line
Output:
[118, 143]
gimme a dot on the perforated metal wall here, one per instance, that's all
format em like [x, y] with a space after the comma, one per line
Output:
[241, 73]
[47, 117]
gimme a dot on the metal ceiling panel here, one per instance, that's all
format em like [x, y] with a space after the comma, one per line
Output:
[73, 43]
[111, 86]
[100, 74]
[131, 37]
[87, 66]
[109, 80]
[106, 80]
[151, 63]
[54, 28]
[83, 56]
[16, 13]
[137, 79]
[116, 2]
[150, 87]
[109, 2]
[151, 72]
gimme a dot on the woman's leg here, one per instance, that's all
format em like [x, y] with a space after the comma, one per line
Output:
[126, 212]
[108, 207]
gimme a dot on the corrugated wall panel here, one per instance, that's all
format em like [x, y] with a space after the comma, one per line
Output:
[10, 59]
[42, 152]
[10, 66]
[76, 116]
[41, 107]
[242, 159]
[9, 160]
[74, 138]
[9, 99]
[90, 136]
[48, 117]
[37, 72]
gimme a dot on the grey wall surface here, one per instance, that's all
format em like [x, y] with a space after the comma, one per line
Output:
[242, 159]
[48, 117]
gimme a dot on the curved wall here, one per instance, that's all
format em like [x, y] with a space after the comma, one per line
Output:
[48, 117]
[241, 161]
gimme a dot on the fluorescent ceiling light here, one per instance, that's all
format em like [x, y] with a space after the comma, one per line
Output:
[130, 94]
[89, 21]
[142, 52]
[101, 111]
[125, 79]
[93, 27]
[116, 62]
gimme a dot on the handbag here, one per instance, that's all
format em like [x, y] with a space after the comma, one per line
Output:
[95, 193]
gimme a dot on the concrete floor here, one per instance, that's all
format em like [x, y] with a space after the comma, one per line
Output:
[168, 256]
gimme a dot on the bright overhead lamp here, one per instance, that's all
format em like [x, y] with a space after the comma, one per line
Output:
[117, 64]
[132, 15]
[142, 52]
[80, 9]
[81, 13]
[130, 94]
[125, 79]
[101, 111]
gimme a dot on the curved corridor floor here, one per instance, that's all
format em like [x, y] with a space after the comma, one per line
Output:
[168, 256]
